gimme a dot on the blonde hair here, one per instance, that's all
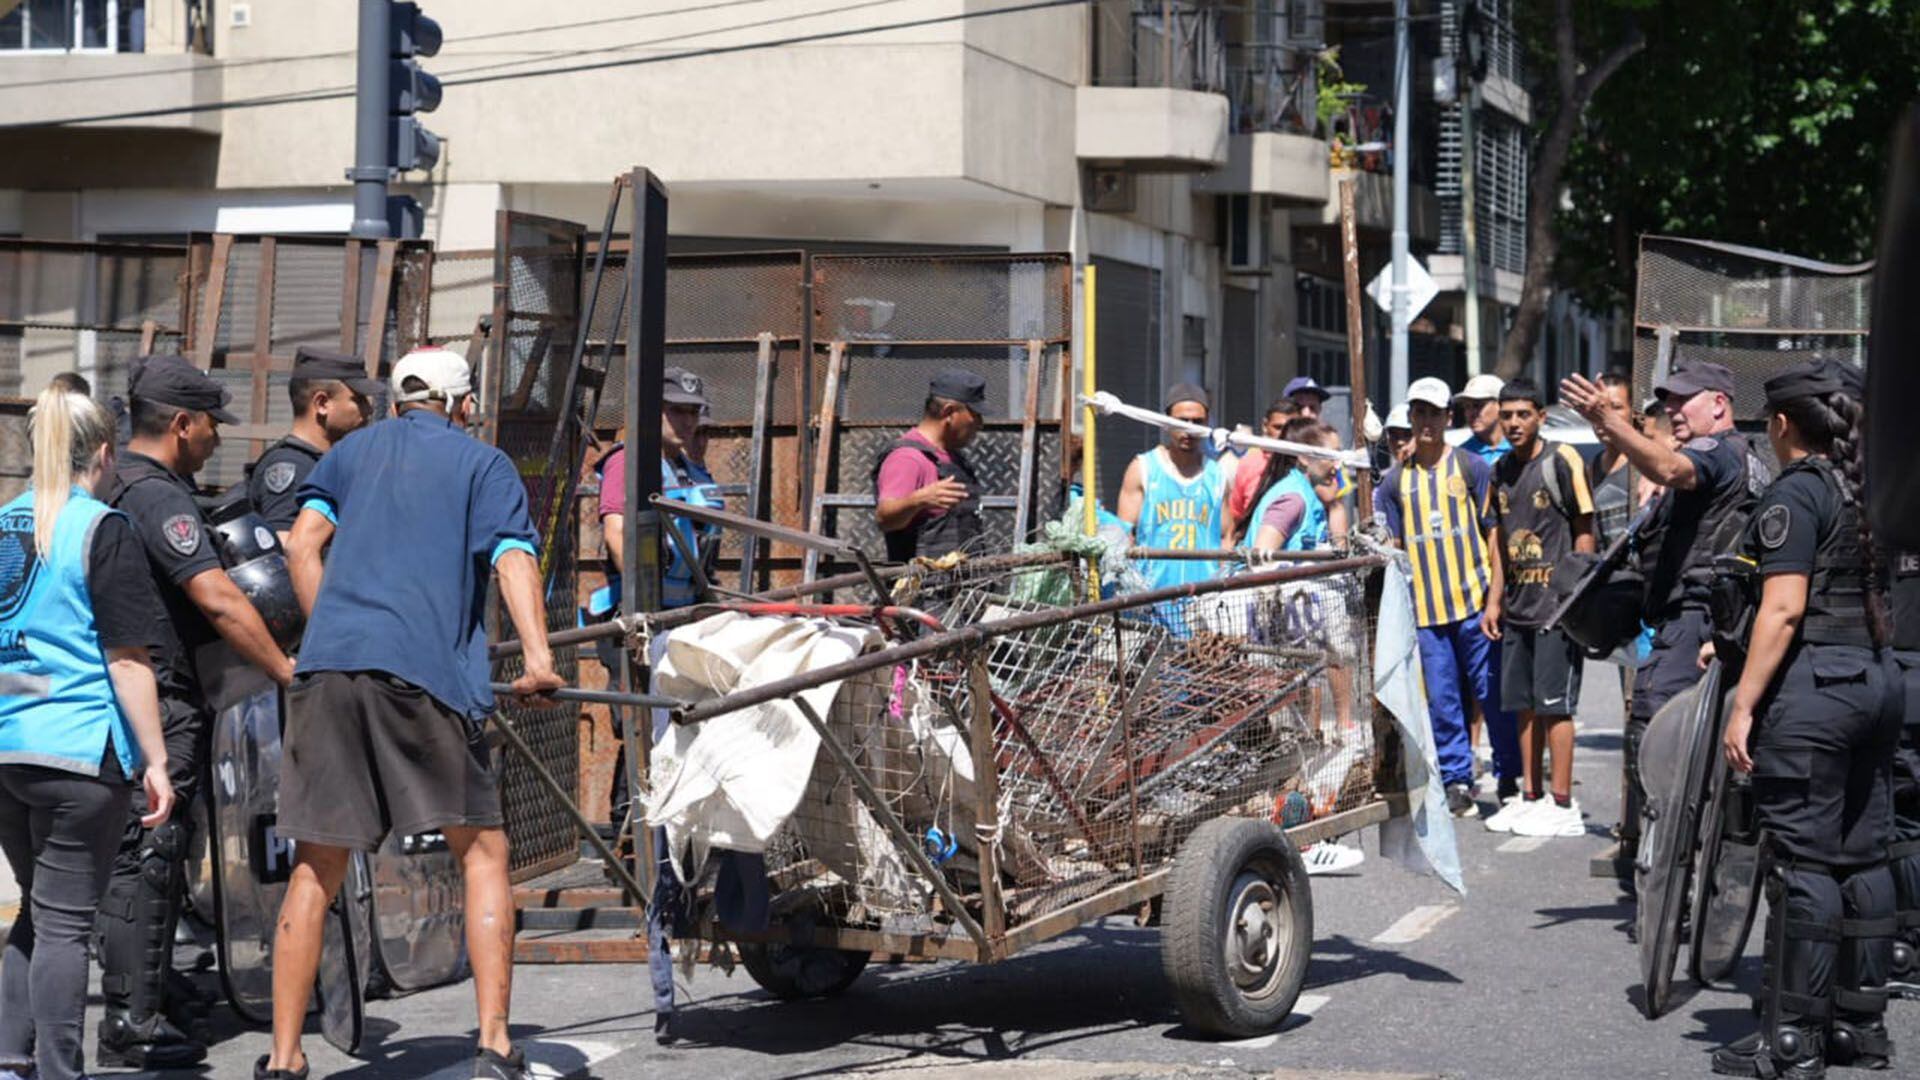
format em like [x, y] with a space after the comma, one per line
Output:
[67, 430]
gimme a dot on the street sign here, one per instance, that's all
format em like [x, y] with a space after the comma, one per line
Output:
[1420, 288]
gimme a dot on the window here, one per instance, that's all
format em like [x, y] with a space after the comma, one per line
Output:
[74, 26]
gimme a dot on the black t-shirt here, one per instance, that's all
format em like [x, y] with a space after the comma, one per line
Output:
[1783, 535]
[1537, 530]
[1679, 521]
[273, 482]
[126, 610]
[173, 534]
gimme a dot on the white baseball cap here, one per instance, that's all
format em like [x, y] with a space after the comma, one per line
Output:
[1397, 418]
[1483, 388]
[1430, 390]
[444, 372]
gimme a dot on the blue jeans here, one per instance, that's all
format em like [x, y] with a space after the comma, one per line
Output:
[1456, 659]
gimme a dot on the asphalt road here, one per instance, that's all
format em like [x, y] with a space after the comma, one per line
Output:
[1530, 974]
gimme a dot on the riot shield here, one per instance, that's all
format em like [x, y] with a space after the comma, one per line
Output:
[341, 988]
[1675, 755]
[252, 863]
[418, 904]
[1726, 878]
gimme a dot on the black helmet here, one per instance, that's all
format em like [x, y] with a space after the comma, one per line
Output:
[254, 561]
[1599, 610]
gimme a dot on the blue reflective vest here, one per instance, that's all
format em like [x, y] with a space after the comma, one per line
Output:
[1311, 533]
[694, 486]
[57, 705]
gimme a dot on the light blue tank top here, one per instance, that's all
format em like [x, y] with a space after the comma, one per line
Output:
[1180, 514]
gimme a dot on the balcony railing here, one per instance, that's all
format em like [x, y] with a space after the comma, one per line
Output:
[48, 27]
[1270, 86]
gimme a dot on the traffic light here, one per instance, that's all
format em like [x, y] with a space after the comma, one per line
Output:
[413, 90]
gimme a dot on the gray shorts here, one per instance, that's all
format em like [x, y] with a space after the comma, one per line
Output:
[366, 753]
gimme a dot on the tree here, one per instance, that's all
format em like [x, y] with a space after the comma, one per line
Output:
[1562, 44]
[1761, 122]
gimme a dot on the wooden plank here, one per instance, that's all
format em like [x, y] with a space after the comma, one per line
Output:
[1356, 335]
[207, 327]
[986, 770]
[1120, 898]
[350, 299]
[148, 330]
[757, 458]
[378, 307]
[1340, 824]
[823, 451]
[948, 946]
[262, 341]
[1029, 442]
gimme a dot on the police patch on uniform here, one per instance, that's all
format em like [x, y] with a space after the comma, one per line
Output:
[279, 476]
[1704, 442]
[1774, 525]
[183, 533]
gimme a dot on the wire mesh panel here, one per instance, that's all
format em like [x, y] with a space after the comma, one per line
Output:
[16, 448]
[73, 306]
[1010, 299]
[536, 315]
[1751, 310]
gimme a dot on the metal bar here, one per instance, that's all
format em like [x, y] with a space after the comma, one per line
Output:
[689, 554]
[823, 452]
[620, 627]
[1098, 906]
[1760, 331]
[212, 302]
[553, 787]
[1050, 776]
[1262, 708]
[557, 493]
[708, 515]
[1029, 443]
[350, 299]
[1356, 340]
[1089, 496]
[932, 946]
[979, 633]
[1340, 824]
[908, 847]
[601, 697]
[759, 504]
[148, 330]
[986, 814]
[262, 341]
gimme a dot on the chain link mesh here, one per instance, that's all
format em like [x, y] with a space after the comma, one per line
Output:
[982, 299]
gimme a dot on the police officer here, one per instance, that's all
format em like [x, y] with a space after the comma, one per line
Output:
[1904, 853]
[1712, 480]
[332, 398]
[175, 411]
[1814, 722]
[926, 493]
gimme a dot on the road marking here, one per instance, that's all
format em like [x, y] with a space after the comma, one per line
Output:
[547, 1059]
[1306, 1006]
[1416, 924]
[1523, 844]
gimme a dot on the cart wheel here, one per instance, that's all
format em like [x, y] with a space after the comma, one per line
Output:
[791, 973]
[1238, 929]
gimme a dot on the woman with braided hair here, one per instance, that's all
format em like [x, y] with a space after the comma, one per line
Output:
[1814, 722]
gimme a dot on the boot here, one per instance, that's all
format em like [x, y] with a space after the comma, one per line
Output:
[1796, 1054]
[1859, 1043]
[152, 1043]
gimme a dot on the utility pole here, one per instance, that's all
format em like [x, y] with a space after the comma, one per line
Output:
[1402, 139]
[1471, 54]
[373, 89]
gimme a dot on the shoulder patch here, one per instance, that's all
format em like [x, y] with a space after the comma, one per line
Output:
[1704, 442]
[279, 476]
[1775, 522]
[182, 532]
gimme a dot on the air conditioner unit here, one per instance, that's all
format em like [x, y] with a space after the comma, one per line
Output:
[1246, 223]
[1107, 191]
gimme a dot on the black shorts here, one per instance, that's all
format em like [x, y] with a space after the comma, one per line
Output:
[1673, 664]
[366, 753]
[1539, 672]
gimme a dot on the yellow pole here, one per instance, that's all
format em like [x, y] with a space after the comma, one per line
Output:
[1088, 386]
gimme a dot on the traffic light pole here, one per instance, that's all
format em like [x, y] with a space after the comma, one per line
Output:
[370, 136]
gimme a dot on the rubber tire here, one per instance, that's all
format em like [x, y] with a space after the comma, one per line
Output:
[795, 974]
[1193, 935]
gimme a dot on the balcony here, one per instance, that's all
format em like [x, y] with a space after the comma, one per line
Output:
[1158, 102]
[74, 58]
[1274, 148]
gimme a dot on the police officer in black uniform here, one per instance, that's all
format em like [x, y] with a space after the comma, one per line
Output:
[1904, 853]
[175, 411]
[1711, 481]
[332, 398]
[926, 493]
[1814, 721]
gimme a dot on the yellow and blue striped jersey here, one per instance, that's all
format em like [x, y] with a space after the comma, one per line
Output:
[1442, 516]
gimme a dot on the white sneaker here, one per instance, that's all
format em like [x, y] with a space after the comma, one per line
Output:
[1553, 820]
[1511, 813]
[1332, 858]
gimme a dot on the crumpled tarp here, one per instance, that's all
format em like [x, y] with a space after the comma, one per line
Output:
[732, 781]
[1422, 841]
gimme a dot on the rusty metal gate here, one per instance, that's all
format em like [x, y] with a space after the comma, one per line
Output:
[536, 315]
[1754, 311]
[884, 325]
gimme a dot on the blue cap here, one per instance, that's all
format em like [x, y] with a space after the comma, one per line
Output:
[1305, 383]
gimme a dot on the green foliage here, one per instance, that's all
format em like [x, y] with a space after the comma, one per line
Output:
[1762, 122]
[1334, 91]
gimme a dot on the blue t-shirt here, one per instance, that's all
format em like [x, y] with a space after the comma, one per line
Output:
[1491, 453]
[422, 510]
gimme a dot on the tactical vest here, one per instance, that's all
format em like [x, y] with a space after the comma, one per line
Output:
[1904, 599]
[1837, 592]
[1312, 531]
[932, 537]
[1721, 526]
[57, 704]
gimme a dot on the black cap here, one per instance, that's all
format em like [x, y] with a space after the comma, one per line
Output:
[1818, 376]
[678, 386]
[1300, 384]
[1690, 377]
[171, 380]
[312, 363]
[1185, 391]
[964, 387]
